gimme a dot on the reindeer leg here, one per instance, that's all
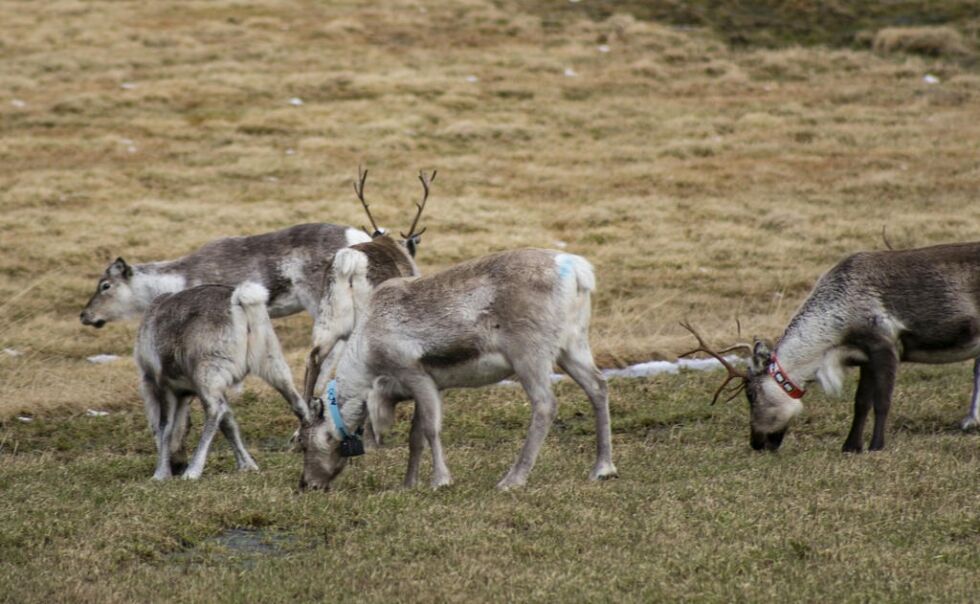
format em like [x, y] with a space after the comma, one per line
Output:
[862, 405]
[178, 456]
[544, 407]
[886, 361]
[972, 419]
[416, 444]
[577, 362]
[229, 427]
[428, 405]
[161, 410]
[215, 408]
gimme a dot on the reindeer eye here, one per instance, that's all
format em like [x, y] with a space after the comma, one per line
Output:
[105, 285]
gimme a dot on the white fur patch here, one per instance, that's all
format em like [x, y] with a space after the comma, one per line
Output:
[348, 262]
[355, 236]
[146, 286]
[249, 293]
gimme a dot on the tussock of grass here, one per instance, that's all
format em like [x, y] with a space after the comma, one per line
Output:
[929, 41]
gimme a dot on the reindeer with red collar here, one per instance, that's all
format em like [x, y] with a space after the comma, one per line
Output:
[873, 310]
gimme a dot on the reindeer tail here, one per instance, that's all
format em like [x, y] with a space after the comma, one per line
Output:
[251, 298]
[572, 266]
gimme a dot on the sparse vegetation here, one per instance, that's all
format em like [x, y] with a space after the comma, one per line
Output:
[710, 172]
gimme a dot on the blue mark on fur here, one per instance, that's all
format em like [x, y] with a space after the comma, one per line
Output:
[565, 268]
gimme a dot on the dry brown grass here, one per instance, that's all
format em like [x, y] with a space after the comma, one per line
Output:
[704, 183]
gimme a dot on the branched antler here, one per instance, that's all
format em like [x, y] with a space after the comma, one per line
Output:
[732, 372]
[359, 191]
[426, 181]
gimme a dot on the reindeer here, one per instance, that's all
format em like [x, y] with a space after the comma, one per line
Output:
[516, 312]
[348, 280]
[873, 310]
[201, 342]
[289, 263]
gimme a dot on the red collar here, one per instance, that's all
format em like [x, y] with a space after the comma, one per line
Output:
[779, 375]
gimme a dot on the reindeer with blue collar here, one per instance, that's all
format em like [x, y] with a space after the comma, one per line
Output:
[514, 313]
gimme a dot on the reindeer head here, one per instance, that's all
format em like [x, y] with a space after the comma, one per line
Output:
[328, 440]
[770, 408]
[112, 298]
[412, 240]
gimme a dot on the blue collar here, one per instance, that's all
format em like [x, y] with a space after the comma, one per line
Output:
[338, 420]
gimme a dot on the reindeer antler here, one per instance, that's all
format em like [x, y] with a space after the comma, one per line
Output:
[359, 191]
[732, 372]
[426, 181]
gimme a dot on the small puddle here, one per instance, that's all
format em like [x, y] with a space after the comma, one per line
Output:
[246, 546]
[254, 541]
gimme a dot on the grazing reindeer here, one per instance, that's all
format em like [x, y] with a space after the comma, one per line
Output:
[289, 263]
[873, 310]
[347, 283]
[201, 342]
[516, 312]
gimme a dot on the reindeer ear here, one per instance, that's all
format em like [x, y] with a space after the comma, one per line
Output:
[381, 409]
[412, 243]
[760, 356]
[316, 408]
[119, 268]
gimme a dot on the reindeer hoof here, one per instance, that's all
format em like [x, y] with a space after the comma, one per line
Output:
[440, 483]
[603, 472]
[969, 423]
[509, 484]
[852, 448]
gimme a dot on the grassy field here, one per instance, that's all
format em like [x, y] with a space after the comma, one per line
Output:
[695, 515]
[710, 169]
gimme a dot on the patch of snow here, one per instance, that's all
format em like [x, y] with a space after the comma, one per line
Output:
[561, 244]
[96, 413]
[570, 73]
[18, 103]
[131, 149]
[24, 418]
[128, 85]
[290, 151]
[603, 48]
[930, 79]
[472, 79]
[296, 101]
[651, 368]
[10, 352]
[101, 359]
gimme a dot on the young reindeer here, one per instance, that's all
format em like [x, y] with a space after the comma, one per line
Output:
[347, 282]
[288, 263]
[201, 342]
[873, 310]
[516, 312]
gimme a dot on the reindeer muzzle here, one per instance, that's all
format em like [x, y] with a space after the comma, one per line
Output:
[98, 324]
[762, 441]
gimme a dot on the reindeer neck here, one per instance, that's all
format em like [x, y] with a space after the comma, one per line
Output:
[151, 280]
[801, 350]
[354, 414]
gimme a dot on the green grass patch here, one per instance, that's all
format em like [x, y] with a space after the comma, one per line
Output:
[695, 514]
